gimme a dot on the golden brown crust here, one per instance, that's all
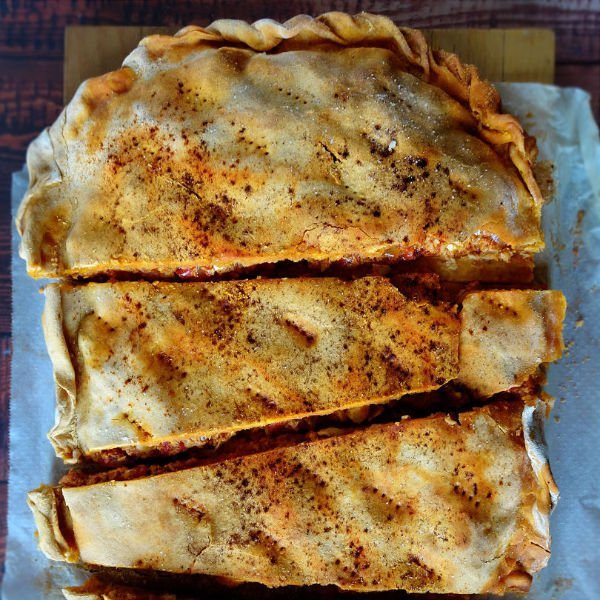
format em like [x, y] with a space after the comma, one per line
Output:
[424, 505]
[131, 178]
[506, 335]
[444, 69]
[142, 366]
[145, 368]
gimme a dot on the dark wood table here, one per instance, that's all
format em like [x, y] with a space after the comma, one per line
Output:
[31, 81]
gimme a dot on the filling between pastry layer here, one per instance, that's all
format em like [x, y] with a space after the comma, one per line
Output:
[133, 463]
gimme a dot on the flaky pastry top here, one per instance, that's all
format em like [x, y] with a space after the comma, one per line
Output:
[335, 138]
[430, 504]
[160, 367]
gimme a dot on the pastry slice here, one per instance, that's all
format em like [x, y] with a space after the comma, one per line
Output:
[145, 368]
[506, 335]
[321, 140]
[432, 504]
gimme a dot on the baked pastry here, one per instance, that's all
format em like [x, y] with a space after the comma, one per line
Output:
[331, 139]
[142, 366]
[160, 367]
[428, 504]
[506, 335]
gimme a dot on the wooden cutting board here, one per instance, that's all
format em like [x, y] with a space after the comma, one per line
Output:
[500, 54]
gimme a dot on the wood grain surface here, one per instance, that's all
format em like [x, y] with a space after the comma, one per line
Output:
[32, 36]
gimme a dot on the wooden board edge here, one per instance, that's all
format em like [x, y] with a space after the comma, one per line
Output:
[514, 54]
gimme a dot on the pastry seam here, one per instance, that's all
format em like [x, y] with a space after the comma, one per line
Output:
[63, 436]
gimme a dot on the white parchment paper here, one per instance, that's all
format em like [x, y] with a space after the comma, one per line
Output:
[567, 135]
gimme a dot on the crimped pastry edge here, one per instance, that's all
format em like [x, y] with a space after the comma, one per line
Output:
[529, 553]
[443, 69]
[440, 68]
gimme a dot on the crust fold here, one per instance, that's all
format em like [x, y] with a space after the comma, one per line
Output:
[63, 435]
[529, 550]
[52, 522]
